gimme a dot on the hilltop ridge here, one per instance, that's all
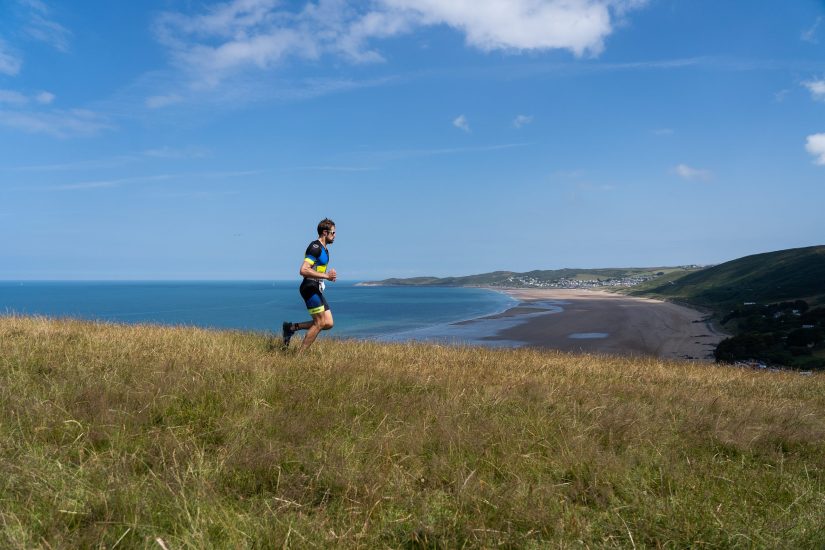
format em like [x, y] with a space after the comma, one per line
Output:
[140, 435]
[792, 274]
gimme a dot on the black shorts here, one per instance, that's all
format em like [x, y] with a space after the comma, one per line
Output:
[313, 297]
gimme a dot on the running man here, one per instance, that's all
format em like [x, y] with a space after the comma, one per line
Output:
[314, 271]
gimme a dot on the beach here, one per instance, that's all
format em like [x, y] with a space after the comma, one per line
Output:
[592, 321]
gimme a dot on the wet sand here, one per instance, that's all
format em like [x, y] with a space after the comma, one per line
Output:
[603, 322]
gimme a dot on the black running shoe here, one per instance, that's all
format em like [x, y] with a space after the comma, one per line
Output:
[288, 332]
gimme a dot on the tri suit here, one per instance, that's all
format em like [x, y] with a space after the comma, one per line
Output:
[312, 290]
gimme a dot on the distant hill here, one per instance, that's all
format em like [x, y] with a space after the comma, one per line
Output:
[794, 274]
[559, 278]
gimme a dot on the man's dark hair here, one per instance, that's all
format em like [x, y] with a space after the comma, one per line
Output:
[325, 225]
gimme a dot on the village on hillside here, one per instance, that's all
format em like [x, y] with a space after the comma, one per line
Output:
[569, 283]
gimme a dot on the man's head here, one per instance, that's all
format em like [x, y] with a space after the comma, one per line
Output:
[326, 228]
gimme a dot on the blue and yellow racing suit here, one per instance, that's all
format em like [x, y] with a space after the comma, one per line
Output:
[312, 289]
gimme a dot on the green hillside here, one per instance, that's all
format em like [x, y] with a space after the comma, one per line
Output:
[794, 274]
[773, 304]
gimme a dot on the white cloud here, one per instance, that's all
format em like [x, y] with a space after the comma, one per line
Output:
[461, 122]
[810, 34]
[237, 35]
[522, 120]
[579, 25]
[45, 98]
[9, 63]
[816, 146]
[689, 173]
[57, 123]
[817, 89]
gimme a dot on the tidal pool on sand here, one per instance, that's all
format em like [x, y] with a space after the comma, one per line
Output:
[588, 335]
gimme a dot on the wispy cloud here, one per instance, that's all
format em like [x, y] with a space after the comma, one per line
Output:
[118, 160]
[177, 153]
[119, 182]
[691, 174]
[595, 187]
[33, 20]
[522, 120]
[12, 97]
[97, 164]
[199, 195]
[817, 89]
[809, 35]
[461, 123]
[332, 168]
[158, 101]
[401, 154]
[40, 25]
[9, 63]
[57, 123]
[815, 145]
[245, 89]
[569, 174]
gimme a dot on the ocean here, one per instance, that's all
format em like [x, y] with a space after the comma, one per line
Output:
[364, 312]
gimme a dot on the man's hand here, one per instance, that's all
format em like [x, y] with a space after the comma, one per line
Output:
[332, 275]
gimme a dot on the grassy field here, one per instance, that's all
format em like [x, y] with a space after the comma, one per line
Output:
[143, 436]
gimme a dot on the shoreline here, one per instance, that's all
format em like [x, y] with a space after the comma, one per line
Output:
[594, 321]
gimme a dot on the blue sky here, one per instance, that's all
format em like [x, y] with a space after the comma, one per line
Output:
[204, 140]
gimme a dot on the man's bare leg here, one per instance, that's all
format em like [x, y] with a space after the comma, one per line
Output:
[320, 321]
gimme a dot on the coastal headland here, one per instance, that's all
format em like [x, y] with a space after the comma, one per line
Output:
[594, 321]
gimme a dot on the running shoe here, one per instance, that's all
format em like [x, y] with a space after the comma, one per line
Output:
[288, 332]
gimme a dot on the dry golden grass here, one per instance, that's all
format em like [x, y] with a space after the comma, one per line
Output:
[142, 436]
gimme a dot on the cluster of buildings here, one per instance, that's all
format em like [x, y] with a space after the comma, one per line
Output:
[528, 281]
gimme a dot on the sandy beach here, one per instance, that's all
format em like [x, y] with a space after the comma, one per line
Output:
[603, 322]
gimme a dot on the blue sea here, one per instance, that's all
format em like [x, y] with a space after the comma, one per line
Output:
[365, 312]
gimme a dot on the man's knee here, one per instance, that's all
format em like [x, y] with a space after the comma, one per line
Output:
[323, 322]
